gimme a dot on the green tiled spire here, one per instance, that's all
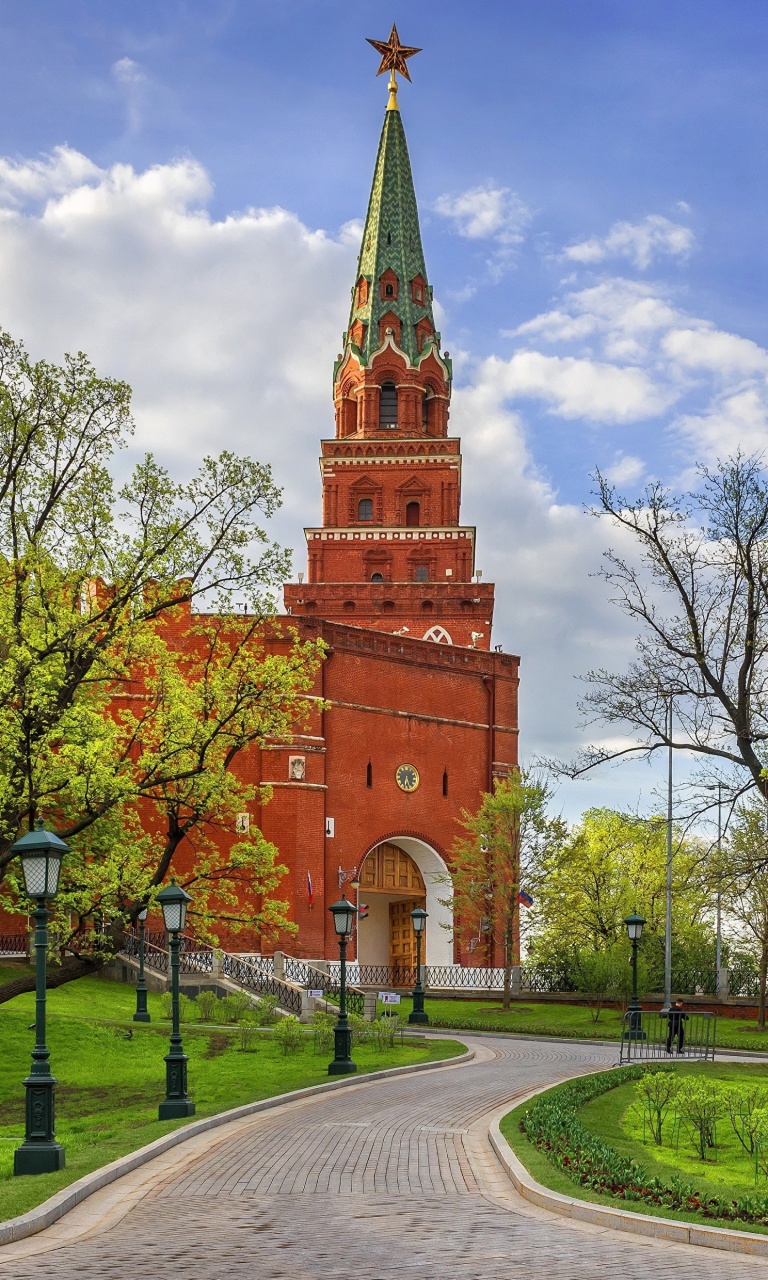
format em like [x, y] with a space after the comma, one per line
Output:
[392, 240]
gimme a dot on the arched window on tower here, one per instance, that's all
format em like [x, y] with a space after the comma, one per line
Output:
[445, 782]
[369, 775]
[388, 406]
[422, 573]
[377, 577]
[412, 515]
[365, 509]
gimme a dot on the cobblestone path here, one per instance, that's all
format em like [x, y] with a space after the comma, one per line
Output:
[380, 1182]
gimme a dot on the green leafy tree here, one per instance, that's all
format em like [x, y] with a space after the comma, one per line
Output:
[134, 670]
[745, 886]
[507, 842]
[610, 865]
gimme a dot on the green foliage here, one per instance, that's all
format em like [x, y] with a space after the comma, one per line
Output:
[611, 865]
[746, 1109]
[207, 1005]
[247, 1030]
[604, 975]
[554, 1127]
[699, 1104]
[289, 1034]
[507, 843]
[186, 1006]
[656, 1092]
[265, 1011]
[236, 1006]
[121, 701]
[322, 1026]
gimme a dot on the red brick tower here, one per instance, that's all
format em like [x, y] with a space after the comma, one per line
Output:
[391, 553]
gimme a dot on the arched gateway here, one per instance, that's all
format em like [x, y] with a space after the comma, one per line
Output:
[398, 874]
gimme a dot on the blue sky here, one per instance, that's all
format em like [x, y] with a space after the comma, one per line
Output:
[180, 191]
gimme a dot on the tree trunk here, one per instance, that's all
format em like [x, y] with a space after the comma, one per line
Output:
[763, 974]
[70, 968]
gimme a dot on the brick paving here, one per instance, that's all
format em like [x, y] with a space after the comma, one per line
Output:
[380, 1181]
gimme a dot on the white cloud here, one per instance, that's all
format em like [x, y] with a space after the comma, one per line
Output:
[225, 328]
[486, 213]
[625, 470]
[579, 388]
[639, 242]
[126, 71]
[63, 169]
[724, 353]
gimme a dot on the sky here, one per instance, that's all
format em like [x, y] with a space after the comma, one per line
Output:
[182, 186]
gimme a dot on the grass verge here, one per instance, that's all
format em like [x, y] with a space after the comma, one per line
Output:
[567, 1020]
[109, 1086]
[608, 1117]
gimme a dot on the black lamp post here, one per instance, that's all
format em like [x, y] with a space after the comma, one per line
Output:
[174, 902]
[343, 913]
[417, 1014]
[41, 852]
[141, 1014]
[634, 1031]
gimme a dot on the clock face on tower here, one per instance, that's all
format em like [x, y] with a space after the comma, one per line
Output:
[407, 777]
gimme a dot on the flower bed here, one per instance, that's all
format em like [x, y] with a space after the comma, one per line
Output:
[553, 1127]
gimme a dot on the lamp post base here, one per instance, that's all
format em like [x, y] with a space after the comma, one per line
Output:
[418, 1016]
[38, 1157]
[175, 1108]
[342, 1064]
[142, 1013]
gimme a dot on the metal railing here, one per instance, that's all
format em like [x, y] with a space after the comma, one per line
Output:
[691, 982]
[246, 974]
[648, 1036]
[13, 944]
[305, 973]
[381, 976]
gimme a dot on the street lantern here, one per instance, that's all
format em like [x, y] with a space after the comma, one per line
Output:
[419, 921]
[174, 902]
[142, 1013]
[41, 852]
[634, 1030]
[343, 913]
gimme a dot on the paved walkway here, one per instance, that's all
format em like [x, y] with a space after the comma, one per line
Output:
[380, 1181]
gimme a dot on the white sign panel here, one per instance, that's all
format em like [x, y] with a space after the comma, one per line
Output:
[317, 995]
[389, 997]
[330, 826]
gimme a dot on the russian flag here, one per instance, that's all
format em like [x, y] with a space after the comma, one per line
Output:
[525, 898]
[309, 890]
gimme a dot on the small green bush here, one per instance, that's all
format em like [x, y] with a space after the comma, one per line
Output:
[322, 1026]
[186, 1006]
[236, 1006]
[655, 1093]
[248, 1030]
[266, 1011]
[289, 1033]
[207, 1005]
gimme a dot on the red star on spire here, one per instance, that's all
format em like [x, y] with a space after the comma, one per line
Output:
[393, 54]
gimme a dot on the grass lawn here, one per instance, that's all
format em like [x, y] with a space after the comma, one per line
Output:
[109, 1087]
[613, 1117]
[568, 1020]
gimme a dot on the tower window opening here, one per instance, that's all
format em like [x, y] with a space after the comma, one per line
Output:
[422, 573]
[445, 781]
[388, 606]
[389, 291]
[365, 509]
[377, 577]
[349, 606]
[369, 775]
[389, 237]
[427, 606]
[388, 406]
[412, 515]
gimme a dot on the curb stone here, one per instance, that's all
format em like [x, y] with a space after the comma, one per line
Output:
[45, 1214]
[643, 1224]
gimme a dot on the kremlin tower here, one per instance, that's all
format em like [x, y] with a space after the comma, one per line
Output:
[390, 553]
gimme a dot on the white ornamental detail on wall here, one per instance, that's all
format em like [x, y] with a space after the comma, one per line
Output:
[297, 768]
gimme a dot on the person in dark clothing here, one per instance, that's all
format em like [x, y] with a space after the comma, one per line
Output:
[676, 1026]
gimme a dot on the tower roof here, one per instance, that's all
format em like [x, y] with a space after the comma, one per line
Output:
[392, 244]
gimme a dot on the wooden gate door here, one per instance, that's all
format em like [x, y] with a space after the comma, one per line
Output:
[402, 939]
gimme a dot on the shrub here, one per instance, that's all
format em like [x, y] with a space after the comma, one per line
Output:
[266, 1011]
[383, 1031]
[699, 1104]
[322, 1025]
[655, 1094]
[236, 1006]
[247, 1029]
[361, 1030]
[207, 1004]
[186, 1006]
[746, 1111]
[289, 1033]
